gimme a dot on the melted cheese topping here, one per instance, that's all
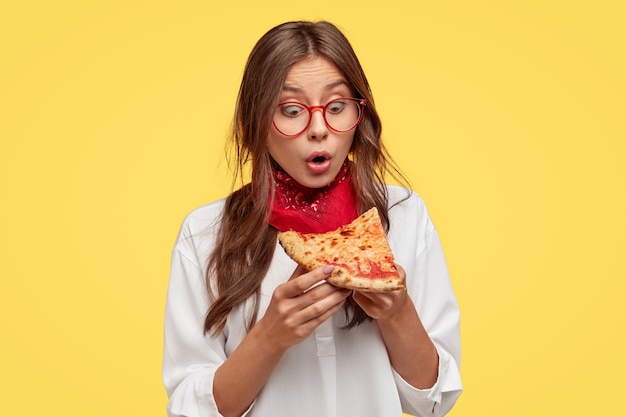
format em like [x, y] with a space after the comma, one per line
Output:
[360, 247]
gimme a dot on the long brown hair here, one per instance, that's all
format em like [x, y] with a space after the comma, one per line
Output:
[245, 242]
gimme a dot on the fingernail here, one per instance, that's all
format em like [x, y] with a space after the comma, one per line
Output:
[328, 269]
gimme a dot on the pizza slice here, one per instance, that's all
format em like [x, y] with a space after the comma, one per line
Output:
[359, 251]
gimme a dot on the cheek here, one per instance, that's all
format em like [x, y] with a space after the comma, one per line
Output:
[273, 144]
[278, 148]
[349, 143]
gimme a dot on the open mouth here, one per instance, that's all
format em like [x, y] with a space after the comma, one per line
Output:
[319, 162]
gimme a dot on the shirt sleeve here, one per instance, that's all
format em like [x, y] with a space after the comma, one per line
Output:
[431, 291]
[190, 358]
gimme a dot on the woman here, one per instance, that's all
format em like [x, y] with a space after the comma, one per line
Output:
[247, 331]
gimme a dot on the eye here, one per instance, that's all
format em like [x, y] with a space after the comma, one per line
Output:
[335, 107]
[292, 109]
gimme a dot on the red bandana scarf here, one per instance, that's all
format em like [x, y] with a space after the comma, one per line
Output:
[313, 210]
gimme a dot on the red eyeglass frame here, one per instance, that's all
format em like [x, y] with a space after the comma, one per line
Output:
[360, 101]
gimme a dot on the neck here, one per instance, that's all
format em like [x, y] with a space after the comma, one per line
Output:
[308, 210]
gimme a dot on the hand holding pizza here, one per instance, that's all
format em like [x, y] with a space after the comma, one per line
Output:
[299, 306]
[381, 305]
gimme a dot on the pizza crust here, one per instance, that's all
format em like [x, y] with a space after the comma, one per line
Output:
[340, 278]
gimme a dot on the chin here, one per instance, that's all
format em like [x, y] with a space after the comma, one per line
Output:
[316, 181]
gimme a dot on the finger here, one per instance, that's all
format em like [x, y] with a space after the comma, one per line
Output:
[363, 299]
[402, 272]
[379, 298]
[315, 321]
[321, 290]
[319, 311]
[300, 284]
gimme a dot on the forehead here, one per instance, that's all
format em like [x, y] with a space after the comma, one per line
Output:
[314, 73]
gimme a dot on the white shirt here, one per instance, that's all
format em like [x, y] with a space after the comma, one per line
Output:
[333, 373]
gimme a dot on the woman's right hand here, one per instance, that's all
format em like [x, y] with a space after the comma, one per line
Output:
[299, 306]
[296, 309]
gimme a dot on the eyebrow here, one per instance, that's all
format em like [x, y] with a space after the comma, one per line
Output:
[327, 87]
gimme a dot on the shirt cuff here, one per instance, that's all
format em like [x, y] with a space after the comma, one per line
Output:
[194, 398]
[422, 402]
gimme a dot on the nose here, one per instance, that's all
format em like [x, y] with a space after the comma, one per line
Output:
[317, 128]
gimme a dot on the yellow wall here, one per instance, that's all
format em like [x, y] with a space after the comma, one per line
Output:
[508, 117]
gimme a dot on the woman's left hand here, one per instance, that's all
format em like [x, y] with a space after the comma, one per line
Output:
[382, 305]
[411, 351]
